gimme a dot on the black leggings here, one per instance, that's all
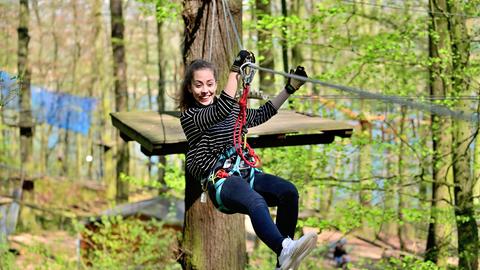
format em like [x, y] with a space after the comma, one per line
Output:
[268, 190]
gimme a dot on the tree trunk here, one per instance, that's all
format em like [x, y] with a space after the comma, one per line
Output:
[121, 94]
[265, 49]
[24, 75]
[462, 138]
[211, 240]
[464, 209]
[297, 56]
[402, 201]
[284, 42]
[476, 188]
[439, 230]
[365, 162]
[26, 118]
[390, 197]
[93, 83]
[162, 161]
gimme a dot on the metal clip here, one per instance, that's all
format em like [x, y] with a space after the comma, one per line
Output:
[247, 72]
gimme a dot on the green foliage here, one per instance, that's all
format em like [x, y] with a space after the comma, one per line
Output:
[415, 215]
[46, 258]
[407, 262]
[141, 183]
[164, 9]
[261, 258]
[174, 177]
[41, 255]
[175, 174]
[349, 215]
[119, 243]
[7, 258]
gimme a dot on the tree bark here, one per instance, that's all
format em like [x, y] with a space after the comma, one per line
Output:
[402, 201]
[390, 196]
[26, 119]
[297, 55]
[265, 49]
[464, 181]
[24, 75]
[211, 240]
[162, 161]
[121, 94]
[365, 163]
[439, 230]
[284, 42]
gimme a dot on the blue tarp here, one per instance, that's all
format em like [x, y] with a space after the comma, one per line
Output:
[57, 109]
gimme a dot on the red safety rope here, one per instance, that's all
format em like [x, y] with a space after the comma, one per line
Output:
[237, 132]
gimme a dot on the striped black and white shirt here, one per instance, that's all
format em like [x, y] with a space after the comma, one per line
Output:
[209, 130]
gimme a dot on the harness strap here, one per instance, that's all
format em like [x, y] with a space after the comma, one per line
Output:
[222, 175]
[218, 189]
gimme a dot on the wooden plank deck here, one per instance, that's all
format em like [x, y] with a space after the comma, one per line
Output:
[161, 134]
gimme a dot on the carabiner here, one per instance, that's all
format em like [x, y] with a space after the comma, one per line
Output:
[247, 72]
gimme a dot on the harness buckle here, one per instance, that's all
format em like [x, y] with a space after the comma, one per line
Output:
[227, 164]
[221, 174]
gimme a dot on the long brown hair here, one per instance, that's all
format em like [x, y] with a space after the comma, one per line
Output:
[186, 99]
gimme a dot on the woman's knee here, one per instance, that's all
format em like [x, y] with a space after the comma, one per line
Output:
[256, 201]
[289, 192]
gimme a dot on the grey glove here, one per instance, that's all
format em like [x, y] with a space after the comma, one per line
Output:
[294, 84]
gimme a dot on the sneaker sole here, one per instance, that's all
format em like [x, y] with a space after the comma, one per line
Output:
[309, 242]
[310, 245]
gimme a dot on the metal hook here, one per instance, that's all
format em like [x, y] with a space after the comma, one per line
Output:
[247, 72]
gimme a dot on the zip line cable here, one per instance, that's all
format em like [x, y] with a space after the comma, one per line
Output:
[234, 27]
[435, 109]
[214, 9]
[332, 96]
[229, 48]
[419, 10]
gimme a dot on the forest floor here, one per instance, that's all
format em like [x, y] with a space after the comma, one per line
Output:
[54, 242]
[362, 252]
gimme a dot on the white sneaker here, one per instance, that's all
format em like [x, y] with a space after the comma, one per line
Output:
[294, 251]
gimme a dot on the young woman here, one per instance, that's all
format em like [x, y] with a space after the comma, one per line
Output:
[231, 183]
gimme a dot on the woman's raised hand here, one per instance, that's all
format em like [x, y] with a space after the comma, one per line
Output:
[242, 57]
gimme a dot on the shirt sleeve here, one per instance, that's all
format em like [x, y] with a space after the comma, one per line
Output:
[261, 115]
[203, 118]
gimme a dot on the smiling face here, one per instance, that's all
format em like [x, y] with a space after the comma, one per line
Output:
[203, 86]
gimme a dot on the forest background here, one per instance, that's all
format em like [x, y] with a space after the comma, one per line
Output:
[407, 177]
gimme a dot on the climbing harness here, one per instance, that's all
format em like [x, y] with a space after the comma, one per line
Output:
[229, 163]
[239, 158]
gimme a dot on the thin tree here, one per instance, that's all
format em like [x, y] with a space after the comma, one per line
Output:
[121, 94]
[402, 200]
[211, 239]
[95, 68]
[439, 231]
[24, 74]
[284, 42]
[162, 161]
[265, 47]
[26, 121]
[463, 136]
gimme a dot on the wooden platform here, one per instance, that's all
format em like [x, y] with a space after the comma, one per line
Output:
[161, 134]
